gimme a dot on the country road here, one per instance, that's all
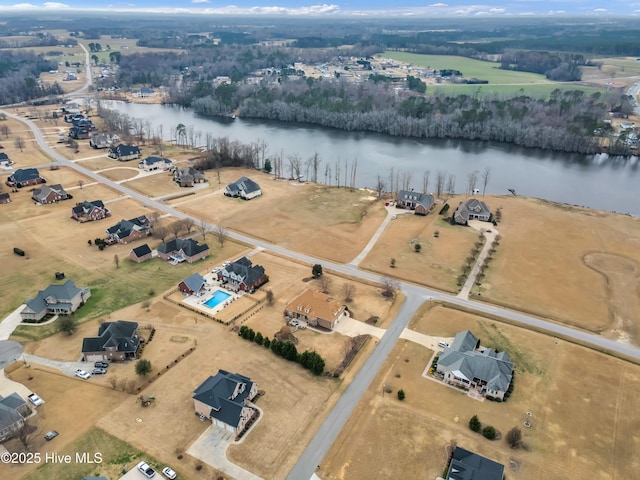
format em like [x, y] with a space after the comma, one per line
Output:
[415, 296]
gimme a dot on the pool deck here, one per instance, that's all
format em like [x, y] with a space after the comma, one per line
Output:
[197, 301]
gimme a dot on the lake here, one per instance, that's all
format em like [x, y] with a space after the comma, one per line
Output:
[595, 181]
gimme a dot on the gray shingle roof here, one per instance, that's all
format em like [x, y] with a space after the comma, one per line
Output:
[123, 228]
[40, 194]
[216, 392]
[469, 208]
[120, 334]
[25, 174]
[243, 185]
[243, 270]
[88, 207]
[12, 401]
[466, 465]
[195, 282]
[59, 293]
[188, 246]
[424, 199]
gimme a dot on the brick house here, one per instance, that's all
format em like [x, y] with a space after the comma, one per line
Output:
[90, 211]
[24, 177]
[420, 203]
[192, 285]
[116, 342]
[141, 254]
[183, 250]
[187, 176]
[126, 231]
[50, 194]
[242, 275]
[315, 308]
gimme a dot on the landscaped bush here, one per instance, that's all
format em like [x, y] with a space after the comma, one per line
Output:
[444, 209]
[401, 395]
[489, 432]
[474, 424]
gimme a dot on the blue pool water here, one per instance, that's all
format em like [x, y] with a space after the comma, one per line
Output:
[218, 297]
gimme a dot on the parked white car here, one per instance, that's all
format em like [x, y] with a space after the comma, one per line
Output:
[169, 473]
[82, 374]
[146, 470]
[35, 399]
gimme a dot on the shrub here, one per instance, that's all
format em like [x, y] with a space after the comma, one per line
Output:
[474, 424]
[258, 338]
[401, 394]
[417, 247]
[489, 432]
[514, 437]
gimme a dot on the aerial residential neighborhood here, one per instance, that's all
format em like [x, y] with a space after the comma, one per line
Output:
[354, 316]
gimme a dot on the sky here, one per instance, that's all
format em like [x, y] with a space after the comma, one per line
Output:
[459, 8]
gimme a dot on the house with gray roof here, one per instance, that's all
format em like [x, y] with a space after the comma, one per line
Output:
[24, 177]
[466, 465]
[90, 211]
[224, 399]
[472, 209]
[183, 250]
[50, 194]
[124, 153]
[57, 300]
[187, 176]
[242, 275]
[192, 285]
[116, 342]
[468, 365]
[244, 188]
[13, 411]
[420, 203]
[126, 231]
[151, 164]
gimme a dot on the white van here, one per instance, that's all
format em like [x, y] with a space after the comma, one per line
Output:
[443, 344]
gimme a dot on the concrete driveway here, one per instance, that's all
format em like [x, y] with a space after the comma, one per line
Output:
[211, 448]
[68, 368]
[352, 328]
[10, 323]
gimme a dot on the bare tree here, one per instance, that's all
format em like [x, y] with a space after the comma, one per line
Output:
[440, 178]
[221, 234]
[379, 186]
[389, 287]
[116, 260]
[514, 437]
[349, 289]
[81, 183]
[188, 224]
[295, 163]
[325, 283]
[5, 130]
[472, 179]
[27, 433]
[451, 185]
[161, 233]
[176, 228]
[218, 171]
[425, 181]
[153, 218]
[203, 228]
[486, 174]
[18, 142]
[269, 297]
[391, 178]
[315, 164]
[406, 180]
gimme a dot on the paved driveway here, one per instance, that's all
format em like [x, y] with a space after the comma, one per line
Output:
[67, 368]
[352, 328]
[211, 448]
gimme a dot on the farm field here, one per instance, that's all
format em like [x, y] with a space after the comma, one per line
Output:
[386, 438]
[541, 90]
[582, 266]
[440, 259]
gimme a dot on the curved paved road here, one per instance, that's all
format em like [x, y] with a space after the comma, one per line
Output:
[415, 296]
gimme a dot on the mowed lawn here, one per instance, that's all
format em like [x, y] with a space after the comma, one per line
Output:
[594, 428]
[469, 68]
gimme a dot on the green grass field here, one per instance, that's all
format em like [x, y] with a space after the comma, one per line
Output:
[469, 68]
[538, 91]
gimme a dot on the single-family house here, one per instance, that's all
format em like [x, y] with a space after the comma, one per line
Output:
[192, 285]
[90, 211]
[69, 76]
[13, 411]
[244, 188]
[243, 275]
[126, 231]
[315, 308]
[5, 198]
[187, 176]
[56, 299]
[124, 153]
[50, 194]
[465, 364]
[225, 400]
[183, 250]
[4, 160]
[99, 140]
[151, 164]
[472, 209]
[144, 92]
[24, 177]
[466, 465]
[141, 254]
[420, 203]
[116, 342]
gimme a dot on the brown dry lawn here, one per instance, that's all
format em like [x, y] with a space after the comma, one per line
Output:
[440, 260]
[577, 266]
[117, 173]
[301, 216]
[596, 428]
[158, 184]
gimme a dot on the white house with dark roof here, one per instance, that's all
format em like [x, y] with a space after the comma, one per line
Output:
[242, 275]
[420, 203]
[224, 399]
[56, 299]
[13, 411]
[151, 164]
[124, 152]
[472, 209]
[244, 188]
[465, 364]
[116, 341]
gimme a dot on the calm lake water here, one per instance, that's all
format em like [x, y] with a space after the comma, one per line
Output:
[596, 181]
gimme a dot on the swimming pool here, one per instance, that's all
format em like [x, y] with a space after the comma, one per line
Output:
[218, 297]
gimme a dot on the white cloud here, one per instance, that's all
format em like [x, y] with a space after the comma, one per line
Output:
[55, 5]
[600, 10]
[497, 10]
[200, 1]
[24, 5]
[438, 5]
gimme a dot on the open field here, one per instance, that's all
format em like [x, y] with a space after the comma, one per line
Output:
[468, 66]
[348, 217]
[581, 266]
[622, 71]
[386, 438]
[534, 90]
[440, 260]
[161, 184]
[119, 172]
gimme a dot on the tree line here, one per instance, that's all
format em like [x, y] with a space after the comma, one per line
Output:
[19, 73]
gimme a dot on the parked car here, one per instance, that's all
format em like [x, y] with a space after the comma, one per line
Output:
[99, 371]
[101, 365]
[170, 474]
[443, 344]
[146, 470]
[82, 374]
[50, 435]
[35, 399]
